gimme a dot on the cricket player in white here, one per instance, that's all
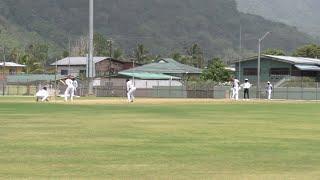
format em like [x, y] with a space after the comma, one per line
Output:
[269, 89]
[75, 86]
[42, 94]
[235, 89]
[246, 87]
[70, 89]
[130, 90]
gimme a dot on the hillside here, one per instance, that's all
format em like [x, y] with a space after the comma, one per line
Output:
[162, 25]
[303, 14]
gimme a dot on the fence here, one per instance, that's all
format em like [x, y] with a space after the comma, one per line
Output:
[190, 90]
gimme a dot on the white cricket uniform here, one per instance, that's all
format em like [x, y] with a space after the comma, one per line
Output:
[130, 90]
[42, 94]
[235, 89]
[69, 91]
[269, 89]
[75, 86]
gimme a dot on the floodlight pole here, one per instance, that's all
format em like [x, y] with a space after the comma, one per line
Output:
[91, 63]
[259, 63]
[3, 71]
[240, 53]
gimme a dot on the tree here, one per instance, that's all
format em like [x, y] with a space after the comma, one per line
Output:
[35, 57]
[141, 53]
[311, 51]
[65, 54]
[275, 52]
[14, 55]
[216, 72]
[196, 54]
[31, 65]
[101, 45]
[117, 53]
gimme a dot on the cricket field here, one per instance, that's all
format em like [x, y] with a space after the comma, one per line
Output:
[108, 138]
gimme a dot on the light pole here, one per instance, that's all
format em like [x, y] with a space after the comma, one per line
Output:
[91, 63]
[3, 71]
[259, 62]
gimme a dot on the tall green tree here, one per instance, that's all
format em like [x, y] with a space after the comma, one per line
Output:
[101, 45]
[35, 58]
[275, 52]
[216, 72]
[311, 51]
[141, 54]
[196, 54]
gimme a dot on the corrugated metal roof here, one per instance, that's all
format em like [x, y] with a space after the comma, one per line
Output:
[296, 60]
[12, 64]
[74, 61]
[304, 67]
[166, 66]
[148, 76]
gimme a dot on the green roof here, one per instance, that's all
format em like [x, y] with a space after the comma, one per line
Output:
[26, 78]
[166, 66]
[148, 76]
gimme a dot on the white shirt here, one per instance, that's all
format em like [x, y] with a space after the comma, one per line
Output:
[42, 93]
[235, 83]
[75, 84]
[246, 85]
[130, 85]
[69, 83]
[269, 87]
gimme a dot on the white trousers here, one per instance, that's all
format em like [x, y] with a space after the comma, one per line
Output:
[69, 93]
[43, 98]
[130, 94]
[269, 92]
[235, 93]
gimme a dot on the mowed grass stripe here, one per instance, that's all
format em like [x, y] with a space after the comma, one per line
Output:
[159, 141]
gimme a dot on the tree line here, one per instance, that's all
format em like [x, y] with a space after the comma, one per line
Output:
[36, 55]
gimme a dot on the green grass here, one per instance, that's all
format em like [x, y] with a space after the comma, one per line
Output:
[143, 141]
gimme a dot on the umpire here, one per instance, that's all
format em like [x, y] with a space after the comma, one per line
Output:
[246, 87]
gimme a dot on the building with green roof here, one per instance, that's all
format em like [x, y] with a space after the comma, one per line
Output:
[147, 76]
[167, 66]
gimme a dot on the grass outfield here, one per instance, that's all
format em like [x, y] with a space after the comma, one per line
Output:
[159, 139]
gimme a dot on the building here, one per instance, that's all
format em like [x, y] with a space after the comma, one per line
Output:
[276, 68]
[11, 68]
[77, 66]
[169, 67]
[111, 67]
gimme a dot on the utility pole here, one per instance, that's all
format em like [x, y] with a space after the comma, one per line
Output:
[3, 71]
[259, 62]
[110, 46]
[91, 63]
[240, 53]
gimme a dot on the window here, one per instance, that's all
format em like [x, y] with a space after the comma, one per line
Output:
[64, 72]
[250, 71]
[280, 71]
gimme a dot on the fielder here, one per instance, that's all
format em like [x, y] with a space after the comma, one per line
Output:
[70, 89]
[42, 94]
[235, 89]
[75, 86]
[130, 90]
[269, 90]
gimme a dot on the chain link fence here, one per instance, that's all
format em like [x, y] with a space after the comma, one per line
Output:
[165, 89]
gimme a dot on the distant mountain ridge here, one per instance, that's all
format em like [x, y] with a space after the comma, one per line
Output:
[303, 14]
[163, 26]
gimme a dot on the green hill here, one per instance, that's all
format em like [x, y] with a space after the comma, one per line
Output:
[162, 25]
[301, 13]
